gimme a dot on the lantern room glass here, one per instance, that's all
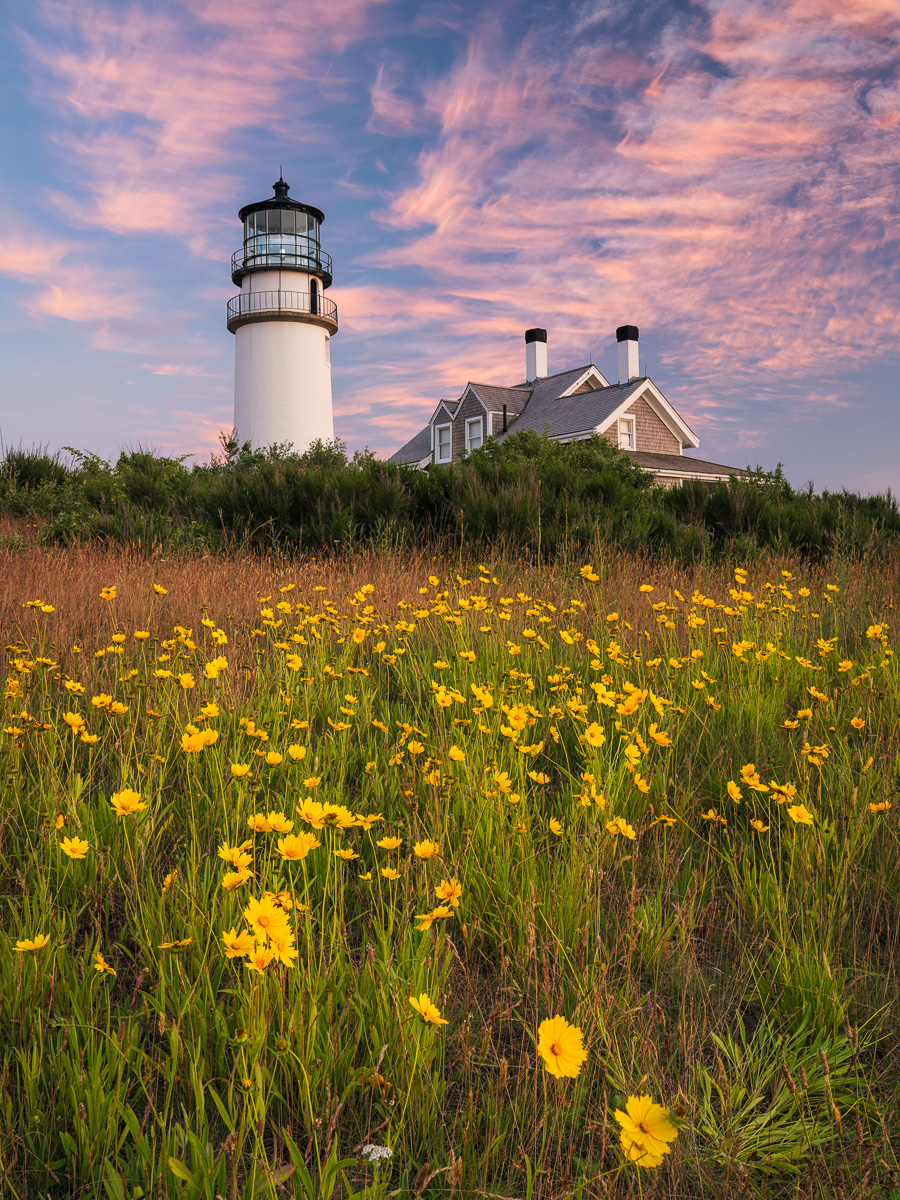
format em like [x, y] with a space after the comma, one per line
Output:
[280, 236]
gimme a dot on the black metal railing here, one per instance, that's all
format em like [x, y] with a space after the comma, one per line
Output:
[261, 304]
[263, 252]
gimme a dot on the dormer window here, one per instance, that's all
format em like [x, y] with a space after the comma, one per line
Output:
[474, 433]
[626, 433]
[442, 443]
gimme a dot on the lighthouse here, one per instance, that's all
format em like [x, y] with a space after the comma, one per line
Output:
[282, 323]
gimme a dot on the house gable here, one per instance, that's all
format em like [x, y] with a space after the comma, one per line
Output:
[655, 419]
[471, 393]
[470, 407]
[444, 412]
[590, 381]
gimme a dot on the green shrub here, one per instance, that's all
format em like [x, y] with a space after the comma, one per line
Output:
[528, 495]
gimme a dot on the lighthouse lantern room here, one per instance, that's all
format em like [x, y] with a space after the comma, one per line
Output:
[283, 324]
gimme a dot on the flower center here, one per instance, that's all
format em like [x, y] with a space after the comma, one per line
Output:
[556, 1049]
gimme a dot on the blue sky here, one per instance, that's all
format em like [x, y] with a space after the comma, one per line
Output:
[723, 175]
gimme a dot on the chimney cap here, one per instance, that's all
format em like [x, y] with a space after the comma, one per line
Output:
[627, 333]
[535, 335]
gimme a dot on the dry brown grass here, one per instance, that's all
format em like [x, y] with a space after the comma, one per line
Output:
[71, 579]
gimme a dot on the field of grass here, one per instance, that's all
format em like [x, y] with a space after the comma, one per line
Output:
[253, 808]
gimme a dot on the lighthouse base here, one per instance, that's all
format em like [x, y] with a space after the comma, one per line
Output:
[282, 384]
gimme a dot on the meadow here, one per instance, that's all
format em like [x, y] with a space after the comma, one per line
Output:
[300, 858]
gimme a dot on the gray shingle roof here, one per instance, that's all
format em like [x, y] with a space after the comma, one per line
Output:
[682, 463]
[416, 448]
[515, 398]
[574, 414]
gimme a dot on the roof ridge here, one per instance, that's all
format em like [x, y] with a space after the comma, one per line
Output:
[503, 387]
[557, 375]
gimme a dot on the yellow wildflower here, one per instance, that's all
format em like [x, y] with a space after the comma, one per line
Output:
[29, 944]
[800, 814]
[561, 1046]
[427, 1009]
[127, 803]
[74, 847]
[237, 945]
[449, 890]
[296, 846]
[646, 1131]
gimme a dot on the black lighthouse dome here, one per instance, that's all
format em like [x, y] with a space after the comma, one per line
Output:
[283, 234]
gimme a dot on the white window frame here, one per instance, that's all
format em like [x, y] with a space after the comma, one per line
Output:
[479, 421]
[627, 439]
[437, 443]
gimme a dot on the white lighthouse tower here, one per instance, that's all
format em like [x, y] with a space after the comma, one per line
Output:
[283, 324]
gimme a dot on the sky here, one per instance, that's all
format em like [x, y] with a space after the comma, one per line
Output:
[722, 174]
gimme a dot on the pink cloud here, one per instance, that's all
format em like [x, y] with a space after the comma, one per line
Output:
[194, 432]
[161, 98]
[27, 257]
[393, 113]
[181, 370]
[67, 285]
[82, 300]
[750, 439]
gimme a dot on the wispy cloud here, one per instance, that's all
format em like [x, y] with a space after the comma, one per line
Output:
[154, 101]
[64, 284]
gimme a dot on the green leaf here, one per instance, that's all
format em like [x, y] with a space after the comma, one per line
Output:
[180, 1169]
[220, 1105]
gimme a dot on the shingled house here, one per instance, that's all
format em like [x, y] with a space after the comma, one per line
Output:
[633, 414]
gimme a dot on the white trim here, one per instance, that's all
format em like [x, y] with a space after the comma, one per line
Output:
[436, 442]
[630, 433]
[578, 436]
[591, 374]
[660, 406]
[471, 421]
[691, 474]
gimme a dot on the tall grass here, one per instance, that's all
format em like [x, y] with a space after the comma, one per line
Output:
[529, 496]
[744, 975]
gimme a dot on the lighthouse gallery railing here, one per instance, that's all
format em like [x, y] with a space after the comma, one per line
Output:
[260, 303]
